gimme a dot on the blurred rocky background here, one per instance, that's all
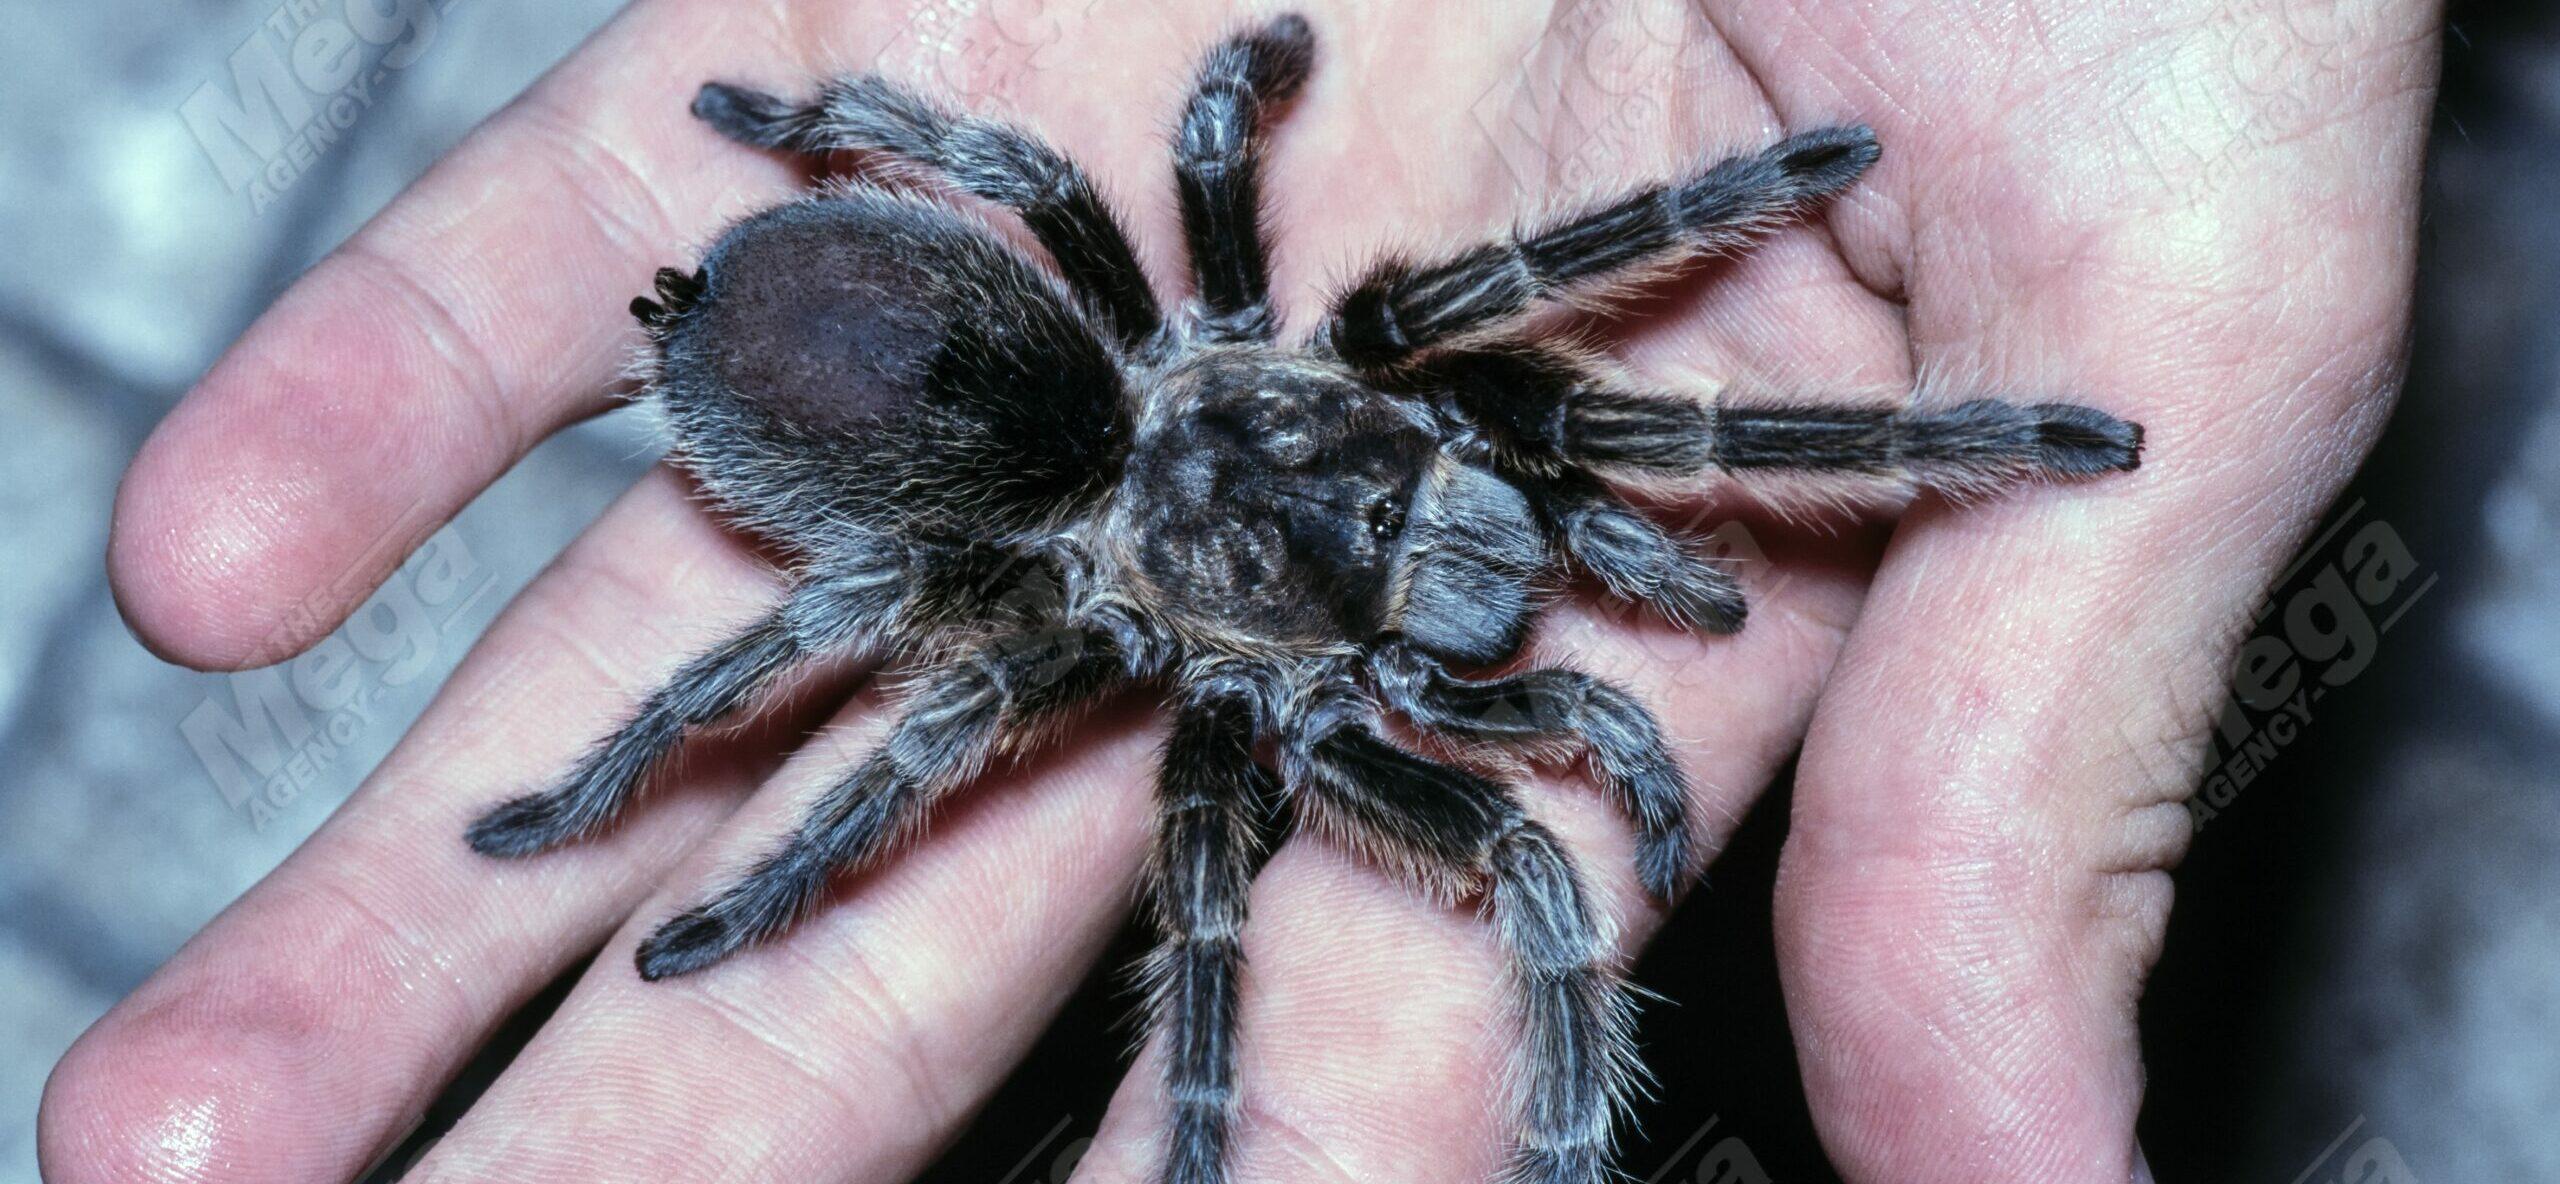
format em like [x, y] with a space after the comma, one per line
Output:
[2365, 961]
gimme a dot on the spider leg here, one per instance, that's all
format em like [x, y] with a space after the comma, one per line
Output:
[1972, 448]
[1576, 1064]
[1621, 738]
[1208, 794]
[1400, 307]
[1545, 409]
[1637, 560]
[610, 773]
[851, 605]
[982, 157]
[1217, 151]
[965, 712]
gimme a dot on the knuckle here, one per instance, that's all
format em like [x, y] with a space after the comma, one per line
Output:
[437, 332]
[613, 190]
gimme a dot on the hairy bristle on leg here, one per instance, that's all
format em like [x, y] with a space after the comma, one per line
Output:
[1210, 791]
[984, 158]
[964, 712]
[1217, 151]
[1575, 1065]
[1400, 307]
[1620, 737]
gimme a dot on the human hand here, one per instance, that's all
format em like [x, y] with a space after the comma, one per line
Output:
[2199, 218]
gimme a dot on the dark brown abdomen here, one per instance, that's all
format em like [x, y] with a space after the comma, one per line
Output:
[874, 362]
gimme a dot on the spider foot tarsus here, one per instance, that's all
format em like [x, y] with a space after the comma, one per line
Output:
[1824, 161]
[862, 816]
[686, 943]
[2079, 441]
[751, 116]
[762, 903]
[527, 825]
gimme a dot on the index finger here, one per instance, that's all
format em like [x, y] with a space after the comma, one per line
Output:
[476, 314]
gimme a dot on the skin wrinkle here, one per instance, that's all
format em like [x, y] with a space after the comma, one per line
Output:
[591, 167]
[1301, 1147]
[624, 585]
[581, 645]
[449, 318]
[856, 976]
[399, 956]
[742, 1014]
[619, 1095]
[1338, 1085]
[443, 333]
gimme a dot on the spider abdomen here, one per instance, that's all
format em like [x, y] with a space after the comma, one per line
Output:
[941, 383]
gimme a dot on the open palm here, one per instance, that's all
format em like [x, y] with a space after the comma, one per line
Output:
[2195, 215]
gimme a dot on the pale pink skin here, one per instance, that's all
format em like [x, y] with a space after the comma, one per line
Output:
[2195, 214]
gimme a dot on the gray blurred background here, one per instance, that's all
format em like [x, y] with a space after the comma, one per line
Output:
[2364, 957]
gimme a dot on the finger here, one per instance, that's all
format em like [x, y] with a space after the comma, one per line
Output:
[854, 1045]
[307, 1027]
[477, 313]
[1975, 881]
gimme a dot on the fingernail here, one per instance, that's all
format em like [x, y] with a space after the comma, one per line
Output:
[2141, 1166]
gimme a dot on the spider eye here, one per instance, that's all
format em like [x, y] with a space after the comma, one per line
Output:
[1386, 518]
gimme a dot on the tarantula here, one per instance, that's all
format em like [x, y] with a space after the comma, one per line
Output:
[1051, 488]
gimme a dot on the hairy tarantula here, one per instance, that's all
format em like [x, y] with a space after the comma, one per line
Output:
[1051, 488]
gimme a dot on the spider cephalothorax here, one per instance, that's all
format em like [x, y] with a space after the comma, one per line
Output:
[1048, 488]
[1275, 503]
